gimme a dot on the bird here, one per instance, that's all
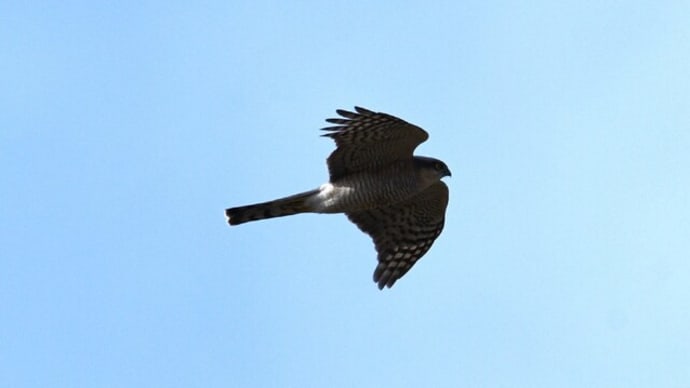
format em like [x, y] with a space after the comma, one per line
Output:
[394, 196]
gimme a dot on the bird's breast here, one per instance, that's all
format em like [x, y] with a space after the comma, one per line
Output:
[366, 190]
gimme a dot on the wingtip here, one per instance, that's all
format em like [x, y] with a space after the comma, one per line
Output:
[385, 284]
[385, 278]
[363, 111]
[348, 115]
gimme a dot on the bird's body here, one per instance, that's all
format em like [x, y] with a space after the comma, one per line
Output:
[395, 197]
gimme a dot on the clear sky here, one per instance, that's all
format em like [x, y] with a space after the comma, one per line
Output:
[126, 129]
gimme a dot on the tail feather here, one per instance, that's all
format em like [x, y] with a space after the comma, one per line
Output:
[293, 204]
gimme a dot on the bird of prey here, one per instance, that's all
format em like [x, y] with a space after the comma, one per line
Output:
[395, 197]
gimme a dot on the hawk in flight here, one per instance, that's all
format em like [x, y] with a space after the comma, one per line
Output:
[393, 196]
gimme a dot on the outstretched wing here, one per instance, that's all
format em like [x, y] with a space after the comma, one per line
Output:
[403, 232]
[367, 139]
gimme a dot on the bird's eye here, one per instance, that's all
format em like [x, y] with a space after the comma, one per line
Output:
[438, 166]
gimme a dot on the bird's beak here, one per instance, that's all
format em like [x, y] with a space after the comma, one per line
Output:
[448, 172]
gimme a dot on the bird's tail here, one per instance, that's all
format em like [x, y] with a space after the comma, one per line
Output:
[293, 204]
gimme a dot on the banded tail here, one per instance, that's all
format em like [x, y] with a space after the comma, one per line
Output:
[287, 206]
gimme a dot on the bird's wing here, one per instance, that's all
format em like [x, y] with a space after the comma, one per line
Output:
[403, 232]
[367, 140]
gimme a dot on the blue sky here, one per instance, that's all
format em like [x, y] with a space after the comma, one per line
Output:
[127, 128]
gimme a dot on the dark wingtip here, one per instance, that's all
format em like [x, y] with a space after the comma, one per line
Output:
[348, 116]
[383, 283]
[340, 121]
[363, 111]
[337, 121]
[385, 278]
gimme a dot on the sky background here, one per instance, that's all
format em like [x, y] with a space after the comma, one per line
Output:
[127, 128]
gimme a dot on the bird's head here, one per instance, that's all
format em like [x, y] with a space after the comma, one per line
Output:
[431, 170]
